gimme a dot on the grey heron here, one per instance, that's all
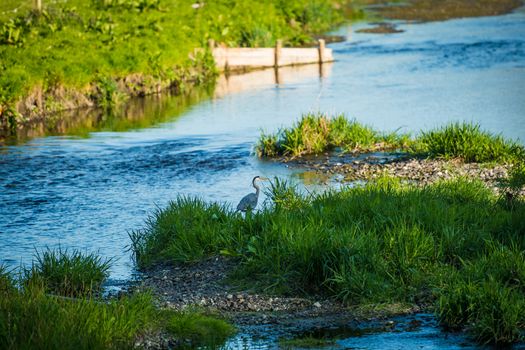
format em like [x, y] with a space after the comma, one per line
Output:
[249, 201]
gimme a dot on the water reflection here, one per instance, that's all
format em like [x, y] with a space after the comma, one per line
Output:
[260, 79]
[137, 113]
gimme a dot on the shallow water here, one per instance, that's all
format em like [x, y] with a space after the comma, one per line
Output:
[87, 186]
[418, 331]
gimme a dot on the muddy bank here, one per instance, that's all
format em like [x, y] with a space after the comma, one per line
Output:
[381, 28]
[439, 10]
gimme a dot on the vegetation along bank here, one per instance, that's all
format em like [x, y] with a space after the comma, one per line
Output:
[453, 246]
[95, 53]
[58, 304]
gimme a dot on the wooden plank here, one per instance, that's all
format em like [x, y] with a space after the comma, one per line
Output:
[243, 58]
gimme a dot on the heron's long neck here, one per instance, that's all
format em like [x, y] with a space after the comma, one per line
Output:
[257, 189]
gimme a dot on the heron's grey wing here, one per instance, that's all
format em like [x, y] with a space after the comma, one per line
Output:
[248, 201]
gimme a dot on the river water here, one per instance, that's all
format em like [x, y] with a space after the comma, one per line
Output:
[87, 185]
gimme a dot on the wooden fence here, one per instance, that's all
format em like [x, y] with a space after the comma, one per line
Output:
[239, 59]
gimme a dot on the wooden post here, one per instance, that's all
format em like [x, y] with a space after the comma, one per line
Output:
[321, 51]
[38, 5]
[278, 49]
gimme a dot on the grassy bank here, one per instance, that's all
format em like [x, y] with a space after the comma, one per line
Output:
[318, 133]
[56, 304]
[81, 53]
[454, 245]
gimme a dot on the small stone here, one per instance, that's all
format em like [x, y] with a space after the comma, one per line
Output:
[317, 304]
[229, 296]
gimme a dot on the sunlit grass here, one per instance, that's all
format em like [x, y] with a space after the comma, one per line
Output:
[318, 133]
[91, 46]
[380, 243]
[471, 143]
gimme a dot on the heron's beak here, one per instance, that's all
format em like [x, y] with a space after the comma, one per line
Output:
[264, 179]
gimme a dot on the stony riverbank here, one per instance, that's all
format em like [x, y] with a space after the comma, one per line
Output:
[205, 285]
[416, 170]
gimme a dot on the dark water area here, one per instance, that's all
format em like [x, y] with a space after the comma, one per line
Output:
[99, 176]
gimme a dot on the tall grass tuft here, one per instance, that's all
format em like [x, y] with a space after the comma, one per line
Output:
[31, 319]
[382, 242]
[514, 184]
[468, 141]
[71, 274]
[317, 133]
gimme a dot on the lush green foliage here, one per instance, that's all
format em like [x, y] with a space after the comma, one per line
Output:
[75, 42]
[68, 274]
[489, 296]
[200, 329]
[31, 318]
[317, 133]
[384, 242]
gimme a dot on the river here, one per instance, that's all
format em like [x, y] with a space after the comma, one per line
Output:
[87, 187]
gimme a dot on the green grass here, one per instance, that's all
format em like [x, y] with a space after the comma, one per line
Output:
[92, 46]
[71, 274]
[318, 133]
[385, 242]
[200, 329]
[471, 143]
[30, 319]
[76, 318]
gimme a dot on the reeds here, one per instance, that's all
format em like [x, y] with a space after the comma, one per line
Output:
[383, 242]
